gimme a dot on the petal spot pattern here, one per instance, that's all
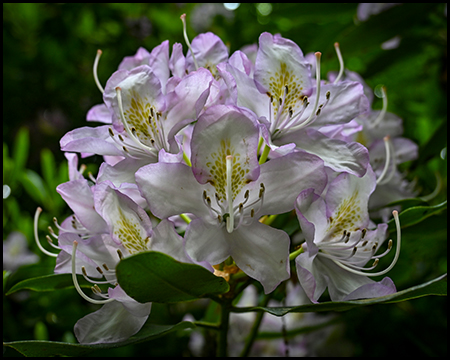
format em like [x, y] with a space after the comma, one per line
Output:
[131, 234]
[218, 169]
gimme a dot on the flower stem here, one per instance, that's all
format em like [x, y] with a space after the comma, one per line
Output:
[254, 330]
[295, 253]
[223, 328]
[264, 155]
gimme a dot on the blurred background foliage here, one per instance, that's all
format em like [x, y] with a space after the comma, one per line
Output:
[48, 87]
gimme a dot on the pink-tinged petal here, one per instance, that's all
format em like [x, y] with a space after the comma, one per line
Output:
[159, 63]
[129, 224]
[209, 50]
[132, 306]
[177, 62]
[285, 177]
[140, 58]
[372, 290]
[111, 324]
[142, 101]
[167, 240]
[312, 216]
[339, 281]
[78, 196]
[170, 189]
[347, 101]
[280, 63]
[90, 140]
[99, 113]
[248, 94]
[262, 252]
[187, 100]
[347, 199]
[311, 279]
[220, 132]
[336, 154]
[206, 242]
[241, 62]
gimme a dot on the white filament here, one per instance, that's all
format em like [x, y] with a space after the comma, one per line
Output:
[36, 236]
[75, 280]
[229, 194]
[397, 254]
[341, 62]
[97, 81]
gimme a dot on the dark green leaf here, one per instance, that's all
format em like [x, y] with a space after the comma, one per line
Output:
[52, 348]
[47, 283]
[416, 214]
[156, 277]
[437, 286]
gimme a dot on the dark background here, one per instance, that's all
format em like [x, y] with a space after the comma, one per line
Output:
[48, 87]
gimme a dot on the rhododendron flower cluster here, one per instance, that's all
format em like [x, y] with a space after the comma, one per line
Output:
[204, 149]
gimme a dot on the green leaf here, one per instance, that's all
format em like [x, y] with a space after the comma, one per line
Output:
[52, 348]
[416, 214]
[157, 277]
[48, 283]
[437, 286]
[34, 185]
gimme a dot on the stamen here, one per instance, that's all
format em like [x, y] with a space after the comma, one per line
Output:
[85, 275]
[183, 20]
[382, 179]
[383, 110]
[361, 272]
[125, 124]
[75, 280]
[341, 63]
[36, 236]
[50, 241]
[97, 82]
[229, 194]
[311, 117]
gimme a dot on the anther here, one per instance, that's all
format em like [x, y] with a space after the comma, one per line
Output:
[120, 254]
[75, 280]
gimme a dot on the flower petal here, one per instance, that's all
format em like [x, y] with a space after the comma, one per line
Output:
[171, 189]
[112, 323]
[206, 242]
[285, 177]
[221, 131]
[262, 252]
[336, 154]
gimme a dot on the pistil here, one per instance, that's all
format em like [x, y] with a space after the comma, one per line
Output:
[229, 193]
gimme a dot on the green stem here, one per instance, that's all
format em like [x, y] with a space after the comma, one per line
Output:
[264, 155]
[223, 328]
[254, 331]
[296, 253]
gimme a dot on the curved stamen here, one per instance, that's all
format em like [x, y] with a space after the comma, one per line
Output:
[382, 113]
[97, 82]
[85, 275]
[125, 124]
[36, 236]
[394, 261]
[382, 179]
[50, 241]
[75, 280]
[314, 113]
[186, 39]
[341, 63]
